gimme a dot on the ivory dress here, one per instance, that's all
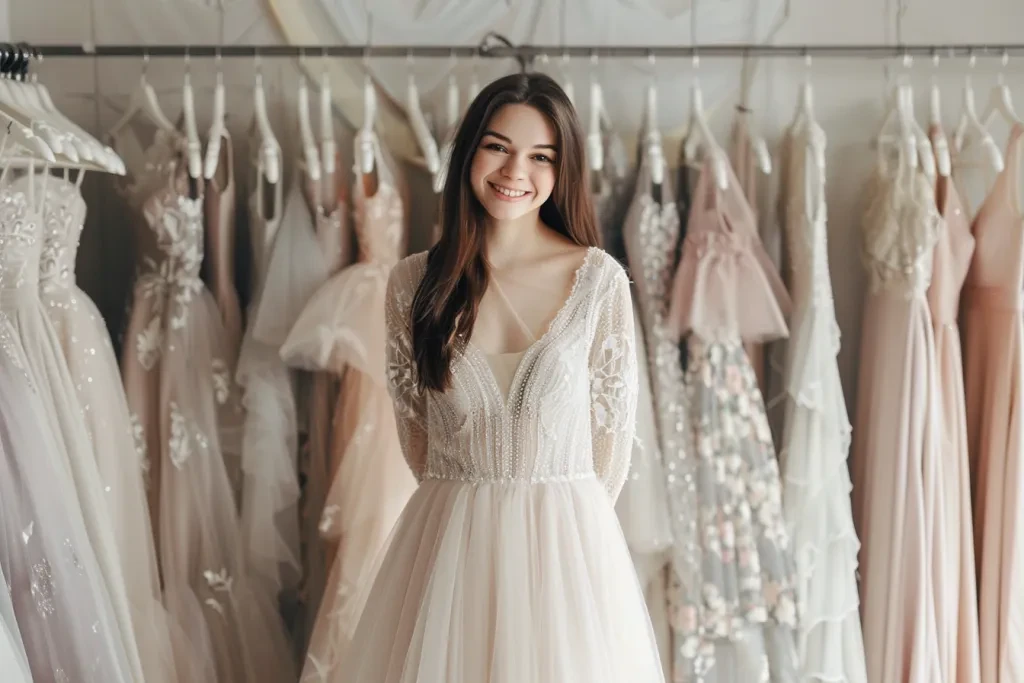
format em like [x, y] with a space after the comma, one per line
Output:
[508, 564]
[816, 431]
[90, 358]
[994, 378]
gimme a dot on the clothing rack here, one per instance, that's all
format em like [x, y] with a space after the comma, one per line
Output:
[528, 53]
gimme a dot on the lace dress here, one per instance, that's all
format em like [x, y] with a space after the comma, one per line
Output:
[51, 507]
[175, 370]
[341, 331]
[895, 448]
[90, 358]
[508, 564]
[816, 430]
[735, 596]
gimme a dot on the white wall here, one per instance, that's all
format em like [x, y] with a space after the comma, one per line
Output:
[848, 92]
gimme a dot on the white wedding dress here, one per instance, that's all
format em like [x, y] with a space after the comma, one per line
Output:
[508, 564]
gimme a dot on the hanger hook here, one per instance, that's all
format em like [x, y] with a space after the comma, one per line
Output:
[188, 62]
[145, 63]
[807, 59]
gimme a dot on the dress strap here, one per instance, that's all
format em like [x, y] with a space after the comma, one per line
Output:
[512, 309]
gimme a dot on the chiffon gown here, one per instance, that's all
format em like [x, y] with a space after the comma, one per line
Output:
[895, 436]
[175, 367]
[816, 432]
[994, 379]
[953, 560]
[737, 592]
[57, 586]
[508, 563]
[93, 367]
[341, 331]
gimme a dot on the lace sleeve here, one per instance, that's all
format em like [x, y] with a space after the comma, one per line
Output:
[613, 386]
[409, 403]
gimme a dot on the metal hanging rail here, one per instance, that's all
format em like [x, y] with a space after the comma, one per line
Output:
[529, 53]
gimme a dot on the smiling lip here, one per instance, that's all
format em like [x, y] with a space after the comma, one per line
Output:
[499, 192]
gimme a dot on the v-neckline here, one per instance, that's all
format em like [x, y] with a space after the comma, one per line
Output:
[556, 321]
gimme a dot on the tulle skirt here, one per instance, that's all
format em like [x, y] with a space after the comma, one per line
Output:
[504, 583]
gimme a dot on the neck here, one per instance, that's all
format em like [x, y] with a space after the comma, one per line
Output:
[508, 241]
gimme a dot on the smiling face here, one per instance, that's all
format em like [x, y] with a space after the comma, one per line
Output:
[514, 167]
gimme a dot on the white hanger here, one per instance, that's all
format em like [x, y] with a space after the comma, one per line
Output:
[24, 107]
[144, 100]
[309, 149]
[699, 133]
[425, 139]
[595, 142]
[940, 144]
[654, 154]
[365, 142]
[805, 98]
[328, 147]
[916, 145]
[270, 151]
[567, 86]
[474, 82]
[1000, 100]
[193, 147]
[970, 124]
[757, 143]
[213, 140]
[19, 127]
[89, 149]
[451, 122]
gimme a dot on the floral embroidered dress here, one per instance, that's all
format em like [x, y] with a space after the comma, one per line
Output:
[508, 563]
[734, 584]
[179, 389]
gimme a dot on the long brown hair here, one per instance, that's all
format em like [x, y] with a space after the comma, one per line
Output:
[445, 307]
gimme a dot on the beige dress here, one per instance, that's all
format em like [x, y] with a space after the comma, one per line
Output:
[341, 333]
[994, 384]
[175, 368]
[895, 440]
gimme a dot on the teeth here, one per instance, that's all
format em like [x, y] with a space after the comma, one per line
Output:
[509, 193]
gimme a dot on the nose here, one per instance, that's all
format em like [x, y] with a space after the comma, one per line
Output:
[514, 167]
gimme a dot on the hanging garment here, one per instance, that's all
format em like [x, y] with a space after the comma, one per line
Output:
[642, 506]
[90, 358]
[22, 213]
[994, 384]
[651, 234]
[176, 374]
[13, 660]
[953, 557]
[270, 485]
[57, 549]
[816, 431]
[737, 592]
[513, 487]
[895, 437]
[341, 331]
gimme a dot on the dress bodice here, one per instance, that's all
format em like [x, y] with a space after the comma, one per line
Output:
[996, 275]
[20, 245]
[63, 220]
[379, 225]
[569, 408]
[901, 227]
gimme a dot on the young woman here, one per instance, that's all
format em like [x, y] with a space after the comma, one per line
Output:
[512, 368]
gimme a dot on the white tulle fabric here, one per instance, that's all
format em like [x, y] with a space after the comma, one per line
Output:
[90, 358]
[21, 223]
[508, 563]
[816, 431]
[59, 593]
[13, 660]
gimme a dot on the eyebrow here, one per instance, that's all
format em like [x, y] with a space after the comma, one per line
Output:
[509, 140]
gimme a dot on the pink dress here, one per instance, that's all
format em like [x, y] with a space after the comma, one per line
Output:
[895, 446]
[994, 387]
[956, 597]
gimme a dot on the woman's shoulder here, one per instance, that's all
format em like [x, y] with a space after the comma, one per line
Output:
[405, 277]
[610, 272]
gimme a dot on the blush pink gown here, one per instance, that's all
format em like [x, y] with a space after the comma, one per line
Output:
[994, 383]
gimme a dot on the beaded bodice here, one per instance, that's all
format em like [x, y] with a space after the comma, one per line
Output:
[569, 411]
